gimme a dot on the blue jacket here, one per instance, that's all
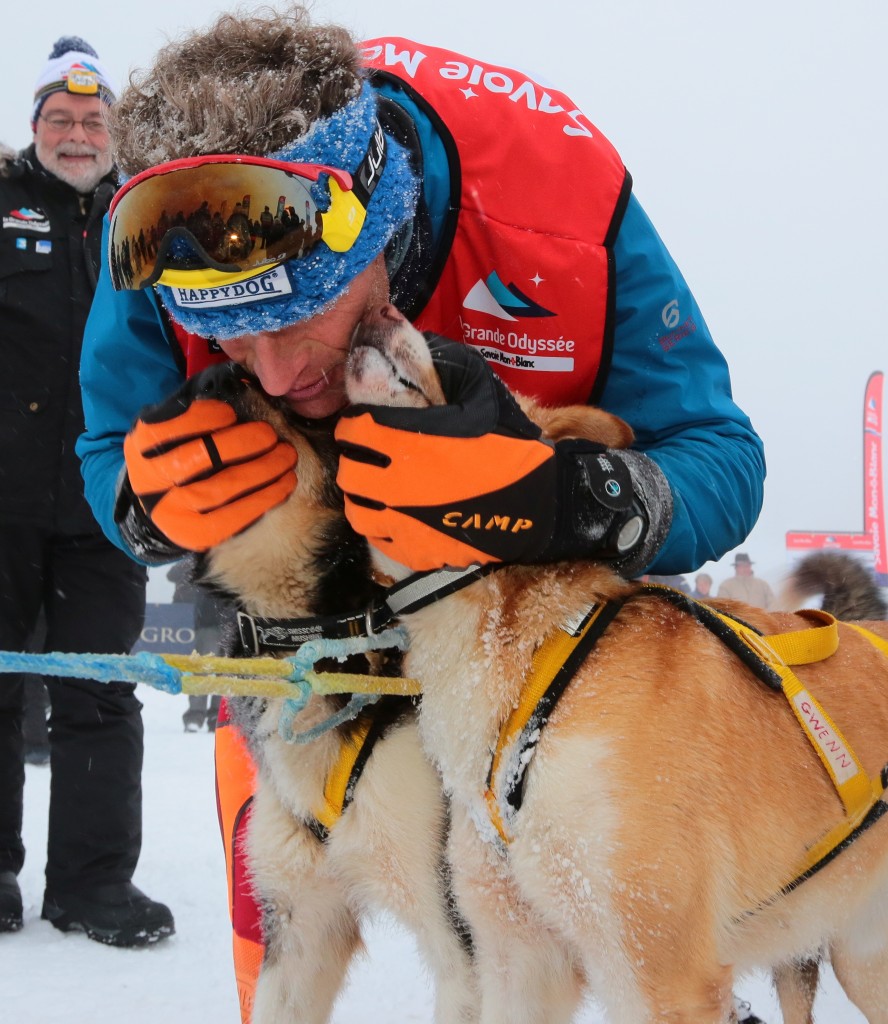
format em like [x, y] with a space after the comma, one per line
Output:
[666, 378]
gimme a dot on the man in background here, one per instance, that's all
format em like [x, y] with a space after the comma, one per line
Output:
[744, 586]
[53, 554]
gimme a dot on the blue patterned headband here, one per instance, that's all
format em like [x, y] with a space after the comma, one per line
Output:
[305, 287]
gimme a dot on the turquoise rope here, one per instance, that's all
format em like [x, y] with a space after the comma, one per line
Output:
[304, 660]
[143, 667]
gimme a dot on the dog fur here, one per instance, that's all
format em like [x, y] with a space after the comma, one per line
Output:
[670, 798]
[387, 851]
[849, 589]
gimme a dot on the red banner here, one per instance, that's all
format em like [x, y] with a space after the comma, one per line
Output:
[871, 541]
[873, 492]
[798, 541]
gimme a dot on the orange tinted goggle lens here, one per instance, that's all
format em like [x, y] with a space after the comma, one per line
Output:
[229, 215]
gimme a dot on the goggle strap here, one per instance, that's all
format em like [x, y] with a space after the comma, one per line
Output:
[369, 171]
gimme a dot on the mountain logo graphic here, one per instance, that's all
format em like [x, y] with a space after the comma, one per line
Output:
[25, 214]
[26, 219]
[505, 303]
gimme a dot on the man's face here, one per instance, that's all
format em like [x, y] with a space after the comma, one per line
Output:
[743, 569]
[305, 363]
[79, 158]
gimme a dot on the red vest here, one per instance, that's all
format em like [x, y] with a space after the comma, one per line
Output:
[539, 192]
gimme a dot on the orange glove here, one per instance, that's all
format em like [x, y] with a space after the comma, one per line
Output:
[200, 476]
[453, 485]
[473, 481]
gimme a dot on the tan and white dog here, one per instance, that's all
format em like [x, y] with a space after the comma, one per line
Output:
[669, 800]
[387, 850]
[671, 797]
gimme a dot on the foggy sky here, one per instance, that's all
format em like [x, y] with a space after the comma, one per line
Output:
[756, 138]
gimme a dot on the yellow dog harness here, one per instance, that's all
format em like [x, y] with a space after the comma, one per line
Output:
[771, 659]
[356, 742]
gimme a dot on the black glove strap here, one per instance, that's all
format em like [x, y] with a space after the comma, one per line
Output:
[599, 515]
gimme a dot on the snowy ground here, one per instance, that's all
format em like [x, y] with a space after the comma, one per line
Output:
[50, 978]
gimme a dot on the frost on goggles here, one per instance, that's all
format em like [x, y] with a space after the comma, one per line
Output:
[220, 219]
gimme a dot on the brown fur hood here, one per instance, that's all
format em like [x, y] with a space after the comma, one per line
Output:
[8, 157]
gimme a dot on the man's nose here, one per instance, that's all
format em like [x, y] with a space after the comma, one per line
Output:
[276, 363]
[77, 133]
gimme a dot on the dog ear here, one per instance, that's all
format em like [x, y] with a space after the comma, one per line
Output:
[582, 421]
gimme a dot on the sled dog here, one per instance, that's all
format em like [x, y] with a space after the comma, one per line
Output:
[387, 850]
[670, 806]
[666, 807]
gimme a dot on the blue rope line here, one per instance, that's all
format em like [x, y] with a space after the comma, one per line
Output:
[304, 661]
[143, 667]
[351, 710]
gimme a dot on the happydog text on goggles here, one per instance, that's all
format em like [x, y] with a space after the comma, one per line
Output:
[211, 220]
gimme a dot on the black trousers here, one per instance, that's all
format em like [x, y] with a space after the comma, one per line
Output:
[93, 597]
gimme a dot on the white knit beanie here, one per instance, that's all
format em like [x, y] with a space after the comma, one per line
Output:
[73, 67]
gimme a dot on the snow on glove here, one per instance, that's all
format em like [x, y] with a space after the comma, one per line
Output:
[200, 475]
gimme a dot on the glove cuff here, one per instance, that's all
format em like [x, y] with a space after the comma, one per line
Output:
[654, 494]
[137, 530]
[613, 506]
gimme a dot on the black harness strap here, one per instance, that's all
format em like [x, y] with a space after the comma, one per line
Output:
[707, 617]
[513, 792]
[382, 715]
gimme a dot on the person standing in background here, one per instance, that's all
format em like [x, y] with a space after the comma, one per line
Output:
[744, 586]
[208, 613]
[702, 587]
[53, 554]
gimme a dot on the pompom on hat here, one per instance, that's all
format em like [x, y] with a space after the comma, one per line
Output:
[73, 67]
[321, 277]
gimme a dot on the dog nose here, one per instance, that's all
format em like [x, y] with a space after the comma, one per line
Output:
[225, 382]
[384, 314]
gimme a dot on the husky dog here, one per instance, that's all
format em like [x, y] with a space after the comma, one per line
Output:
[387, 850]
[849, 589]
[668, 803]
[671, 797]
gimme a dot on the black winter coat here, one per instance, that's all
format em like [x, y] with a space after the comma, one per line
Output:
[49, 256]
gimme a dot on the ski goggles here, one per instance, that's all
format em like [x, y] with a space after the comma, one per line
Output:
[215, 220]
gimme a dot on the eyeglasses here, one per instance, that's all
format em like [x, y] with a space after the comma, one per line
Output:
[94, 125]
[217, 220]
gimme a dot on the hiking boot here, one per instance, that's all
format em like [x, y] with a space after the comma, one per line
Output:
[743, 1013]
[193, 720]
[10, 902]
[118, 915]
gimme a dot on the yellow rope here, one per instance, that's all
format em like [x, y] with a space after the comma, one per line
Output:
[272, 677]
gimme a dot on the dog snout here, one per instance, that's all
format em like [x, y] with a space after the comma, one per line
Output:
[377, 325]
[383, 315]
[226, 382]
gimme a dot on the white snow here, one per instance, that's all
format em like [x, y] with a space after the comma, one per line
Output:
[50, 978]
